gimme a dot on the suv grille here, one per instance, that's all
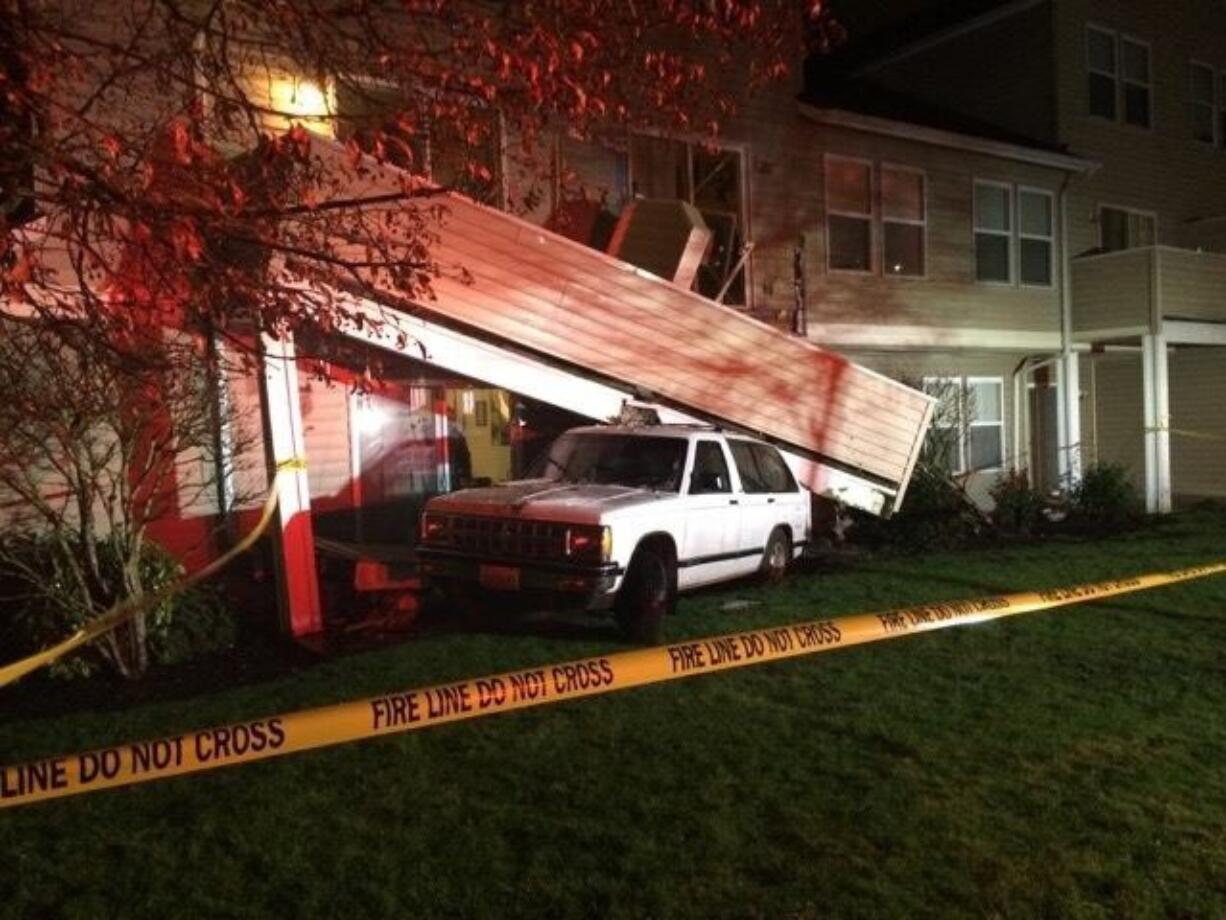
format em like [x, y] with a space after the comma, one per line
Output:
[506, 537]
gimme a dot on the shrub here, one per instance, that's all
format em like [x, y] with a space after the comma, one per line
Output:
[936, 514]
[40, 604]
[1019, 507]
[1105, 499]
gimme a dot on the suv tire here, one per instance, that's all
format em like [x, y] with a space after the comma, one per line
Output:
[777, 557]
[648, 594]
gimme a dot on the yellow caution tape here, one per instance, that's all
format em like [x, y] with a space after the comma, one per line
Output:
[409, 710]
[125, 610]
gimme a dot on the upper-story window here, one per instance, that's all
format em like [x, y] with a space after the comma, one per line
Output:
[1202, 93]
[998, 235]
[712, 180]
[903, 221]
[993, 232]
[858, 199]
[849, 214]
[1124, 228]
[1120, 83]
[1036, 236]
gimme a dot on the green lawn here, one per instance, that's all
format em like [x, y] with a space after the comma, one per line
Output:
[1070, 763]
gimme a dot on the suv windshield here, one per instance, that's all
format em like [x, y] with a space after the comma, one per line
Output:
[615, 459]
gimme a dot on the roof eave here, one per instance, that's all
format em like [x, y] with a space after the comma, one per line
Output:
[939, 137]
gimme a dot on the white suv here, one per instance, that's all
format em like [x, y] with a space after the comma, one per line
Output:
[624, 517]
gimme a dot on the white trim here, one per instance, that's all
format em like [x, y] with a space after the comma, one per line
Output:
[865, 335]
[1155, 378]
[1050, 238]
[938, 137]
[869, 217]
[1116, 332]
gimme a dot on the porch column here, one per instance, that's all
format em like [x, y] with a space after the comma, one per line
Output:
[293, 536]
[1070, 417]
[1157, 424]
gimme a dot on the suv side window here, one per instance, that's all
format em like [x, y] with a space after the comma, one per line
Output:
[775, 472]
[710, 472]
[752, 480]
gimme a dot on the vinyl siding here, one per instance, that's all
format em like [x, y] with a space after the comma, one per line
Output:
[1117, 423]
[1112, 291]
[1198, 394]
[1193, 284]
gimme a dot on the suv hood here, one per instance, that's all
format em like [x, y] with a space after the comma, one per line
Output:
[545, 500]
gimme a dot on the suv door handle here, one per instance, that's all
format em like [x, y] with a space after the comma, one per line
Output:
[770, 501]
[734, 501]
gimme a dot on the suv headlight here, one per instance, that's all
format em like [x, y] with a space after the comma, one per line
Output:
[433, 528]
[589, 543]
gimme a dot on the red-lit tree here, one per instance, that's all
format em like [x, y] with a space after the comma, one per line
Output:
[156, 167]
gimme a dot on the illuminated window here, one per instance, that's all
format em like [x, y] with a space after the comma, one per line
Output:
[903, 218]
[1035, 236]
[1123, 228]
[849, 214]
[1119, 82]
[968, 426]
[1202, 84]
[993, 232]
[296, 100]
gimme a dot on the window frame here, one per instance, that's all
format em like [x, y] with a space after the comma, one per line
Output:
[874, 210]
[968, 424]
[922, 223]
[1009, 234]
[1214, 104]
[1125, 81]
[1050, 238]
[744, 153]
[1152, 215]
[1114, 75]
[962, 383]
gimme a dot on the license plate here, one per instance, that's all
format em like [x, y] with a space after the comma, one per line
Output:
[499, 577]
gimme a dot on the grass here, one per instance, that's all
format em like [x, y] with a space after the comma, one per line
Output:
[1060, 764]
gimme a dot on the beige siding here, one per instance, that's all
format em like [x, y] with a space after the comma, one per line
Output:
[1117, 422]
[1198, 395]
[1163, 169]
[327, 438]
[1193, 284]
[1112, 291]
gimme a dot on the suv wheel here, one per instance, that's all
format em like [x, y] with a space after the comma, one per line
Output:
[777, 557]
[648, 594]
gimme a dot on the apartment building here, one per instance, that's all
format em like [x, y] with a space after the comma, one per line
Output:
[1139, 89]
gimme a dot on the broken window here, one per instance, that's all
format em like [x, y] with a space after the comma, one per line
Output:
[711, 179]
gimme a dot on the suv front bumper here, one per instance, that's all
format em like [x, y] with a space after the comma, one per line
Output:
[586, 583]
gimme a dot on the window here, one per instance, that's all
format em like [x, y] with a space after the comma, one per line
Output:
[1119, 82]
[1137, 89]
[849, 214]
[712, 180]
[761, 468]
[710, 473]
[1202, 84]
[968, 428]
[1035, 236]
[1101, 64]
[993, 232]
[1121, 228]
[902, 221]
